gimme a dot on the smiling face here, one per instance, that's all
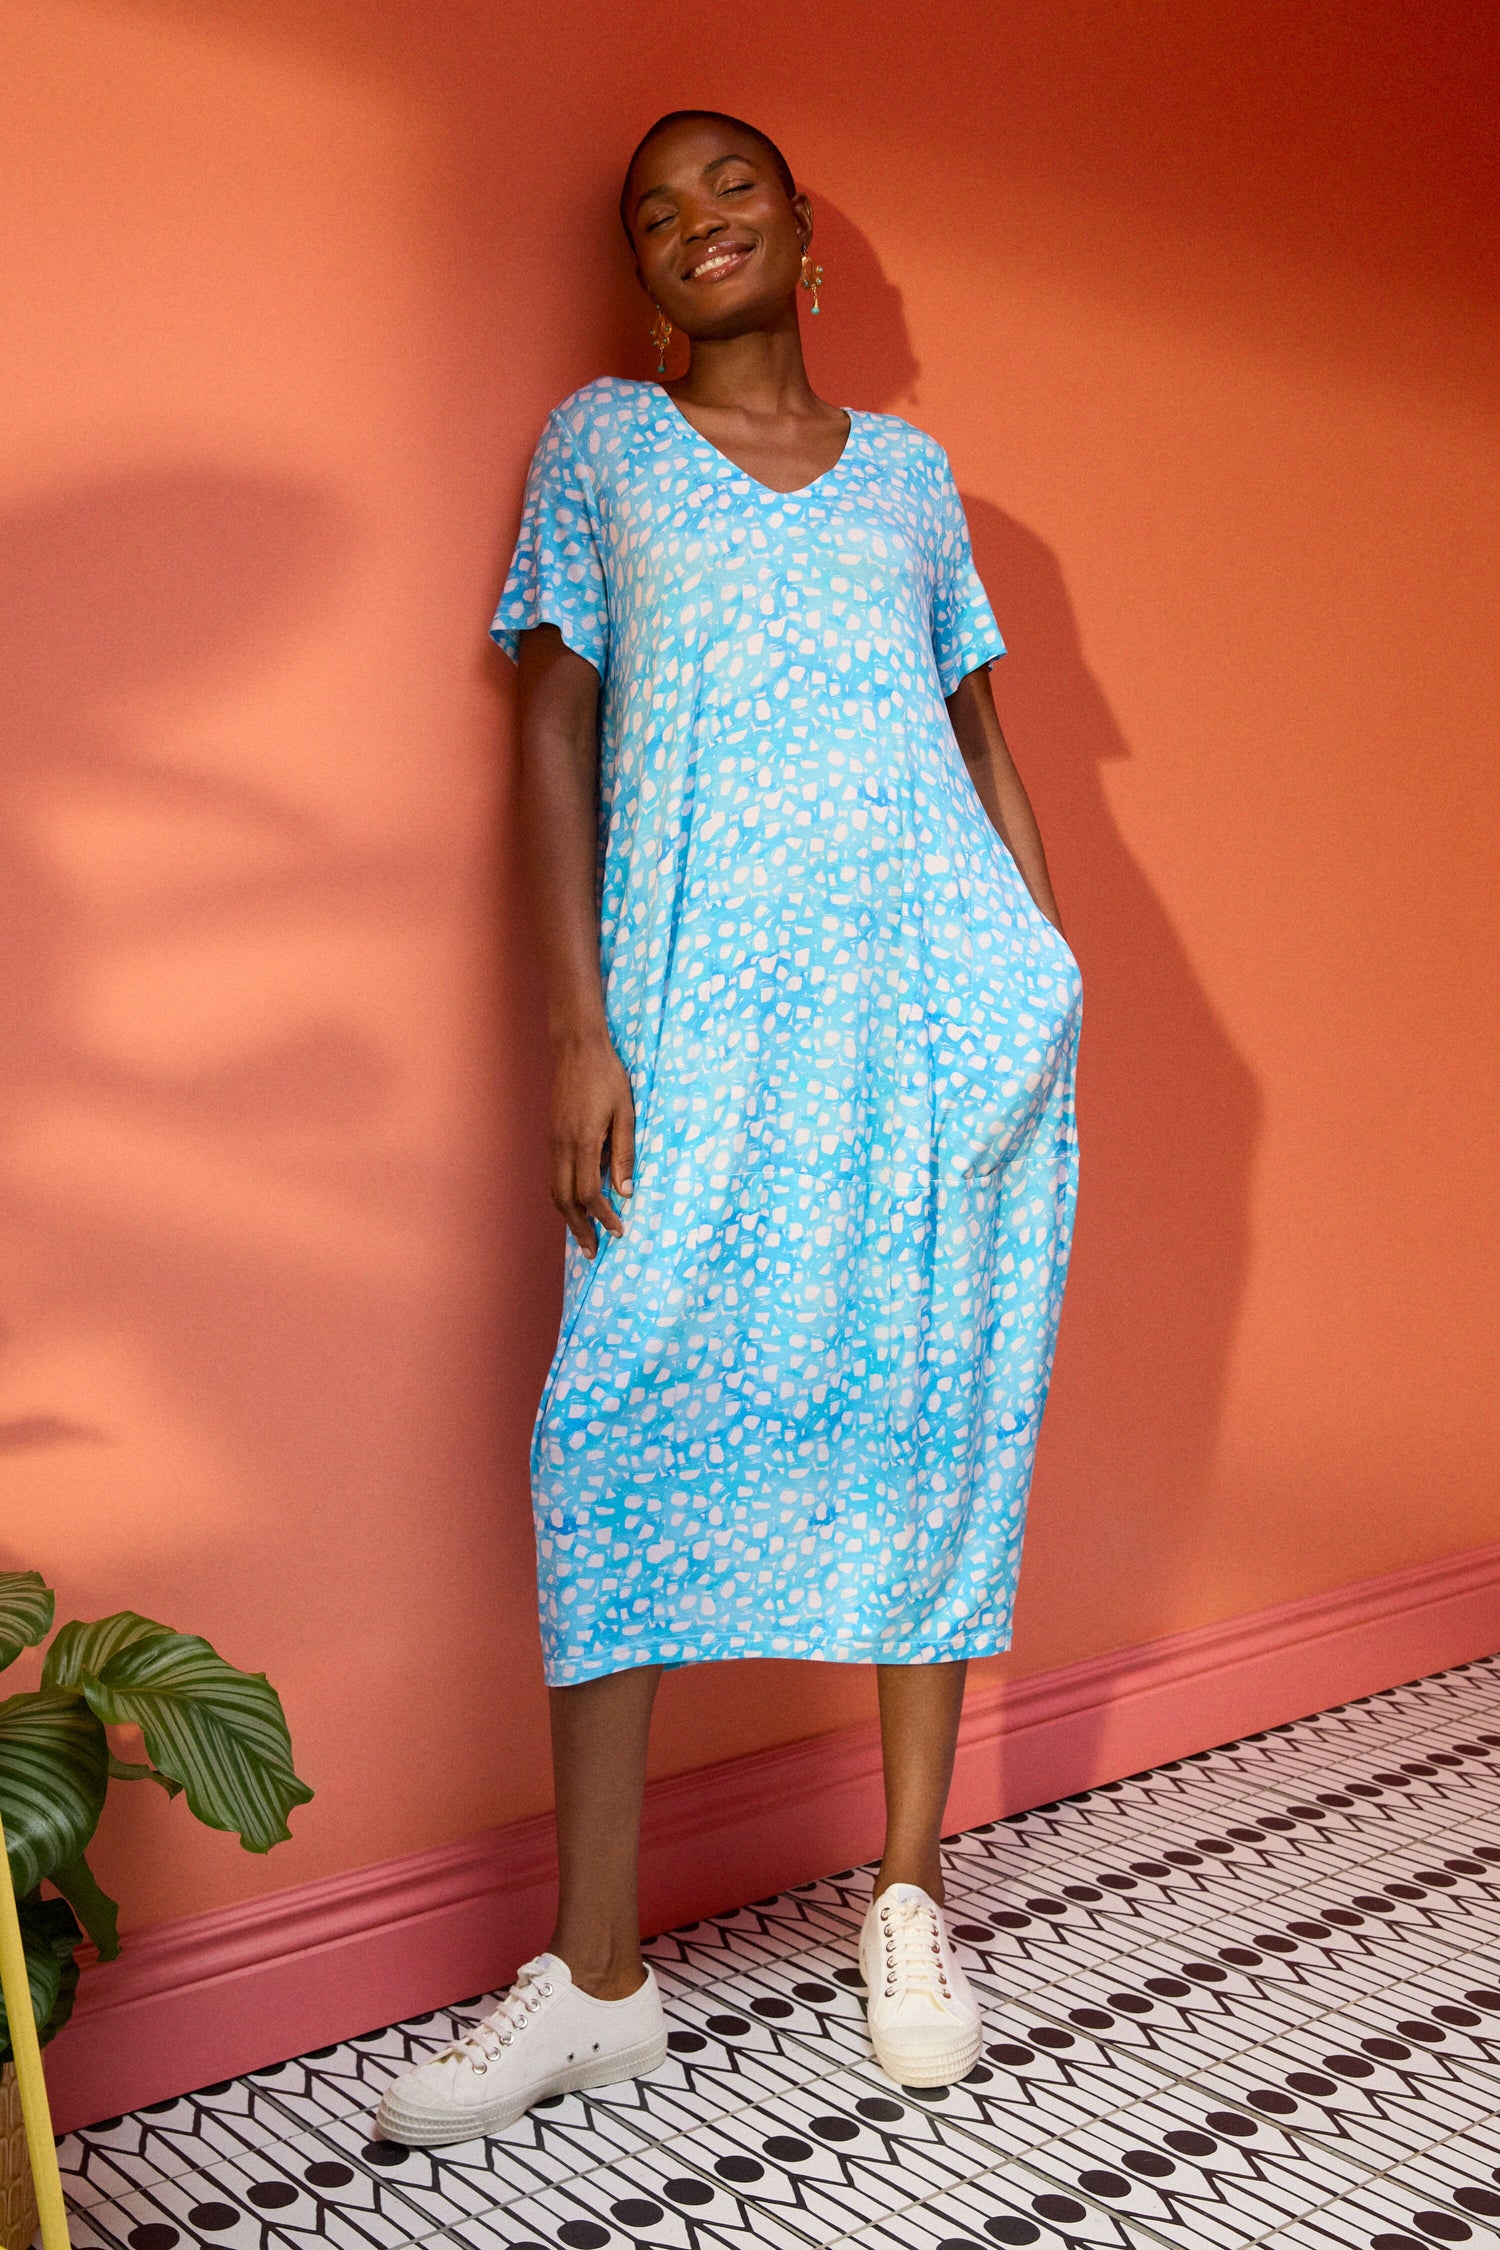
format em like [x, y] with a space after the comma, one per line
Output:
[718, 239]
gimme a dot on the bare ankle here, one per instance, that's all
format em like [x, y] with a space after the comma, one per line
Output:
[603, 1972]
[608, 1984]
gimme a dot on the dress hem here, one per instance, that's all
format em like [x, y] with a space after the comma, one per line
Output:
[965, 1649]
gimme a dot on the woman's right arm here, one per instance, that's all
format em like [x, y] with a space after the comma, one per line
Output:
[559, 798]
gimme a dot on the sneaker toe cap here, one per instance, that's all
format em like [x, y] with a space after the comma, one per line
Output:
[933, 2035]
[433, 2094]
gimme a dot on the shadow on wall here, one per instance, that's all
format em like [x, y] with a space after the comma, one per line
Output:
[112, 592]
[1169, 1113]
[189, 1212]
[109, 593]
[1169, 1123]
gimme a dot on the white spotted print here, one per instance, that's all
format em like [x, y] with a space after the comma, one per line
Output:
[793, 1409]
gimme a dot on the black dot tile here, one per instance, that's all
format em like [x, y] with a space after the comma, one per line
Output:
[1251, 1986]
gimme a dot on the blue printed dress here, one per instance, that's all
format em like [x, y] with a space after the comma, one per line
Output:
[793, 1408]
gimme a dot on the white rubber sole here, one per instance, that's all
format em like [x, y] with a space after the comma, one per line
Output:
[944, 2068]
[411, 2129]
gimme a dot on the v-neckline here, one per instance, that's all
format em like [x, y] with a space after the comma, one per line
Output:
[798, 491]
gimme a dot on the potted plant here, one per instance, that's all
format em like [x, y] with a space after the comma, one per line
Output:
[215, 1735]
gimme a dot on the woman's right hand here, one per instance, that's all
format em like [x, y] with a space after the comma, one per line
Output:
[592, 1107]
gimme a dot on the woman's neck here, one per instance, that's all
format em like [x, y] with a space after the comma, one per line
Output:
[759, 374]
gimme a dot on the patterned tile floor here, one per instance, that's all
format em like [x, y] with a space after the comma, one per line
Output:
[1250, 1997]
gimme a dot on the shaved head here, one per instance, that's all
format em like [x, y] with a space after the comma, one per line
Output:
[673, 117]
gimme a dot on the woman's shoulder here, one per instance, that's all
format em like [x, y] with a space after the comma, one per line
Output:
[599, 406]
[900, 440]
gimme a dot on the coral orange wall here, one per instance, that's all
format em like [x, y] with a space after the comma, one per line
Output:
[1201, 301]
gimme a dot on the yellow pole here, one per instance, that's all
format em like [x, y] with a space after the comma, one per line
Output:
[26, 2052]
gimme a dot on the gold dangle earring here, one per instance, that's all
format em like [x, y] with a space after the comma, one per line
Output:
[661, 336]
[811, 277]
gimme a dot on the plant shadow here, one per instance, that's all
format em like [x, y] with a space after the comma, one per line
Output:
[216, 1251]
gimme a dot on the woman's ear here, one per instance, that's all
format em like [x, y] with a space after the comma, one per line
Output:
[802, 212]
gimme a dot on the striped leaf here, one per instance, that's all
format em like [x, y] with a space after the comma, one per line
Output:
[95, 1909]
[82, 1651]
[218, 1731]
[26, 1606]
[53, 1774]
[49, 1934]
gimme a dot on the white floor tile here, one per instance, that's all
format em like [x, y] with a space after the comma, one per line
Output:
[1253, 1996]
[632, 2210]
[1009, 2205]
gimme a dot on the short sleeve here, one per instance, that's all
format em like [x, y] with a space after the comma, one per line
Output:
[556, 576]
[964, 632]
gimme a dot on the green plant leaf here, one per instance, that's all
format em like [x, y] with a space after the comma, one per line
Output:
[67, 1989]
[49, 1933]
[120, 1769]
[53, 1775]
[218, 1731]
[26, 1606]
[95, 1909]
[81, 1651]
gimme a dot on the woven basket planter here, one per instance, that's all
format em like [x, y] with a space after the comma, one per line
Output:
[18, 2214]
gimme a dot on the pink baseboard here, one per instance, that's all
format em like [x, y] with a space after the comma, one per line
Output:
[205, 1998]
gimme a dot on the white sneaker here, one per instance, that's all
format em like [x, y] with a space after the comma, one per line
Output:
[923, 2017]
[546, 2037]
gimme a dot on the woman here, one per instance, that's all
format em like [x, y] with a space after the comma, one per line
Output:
[812, 1123]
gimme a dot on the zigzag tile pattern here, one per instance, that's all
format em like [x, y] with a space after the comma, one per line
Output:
[1250, 1997]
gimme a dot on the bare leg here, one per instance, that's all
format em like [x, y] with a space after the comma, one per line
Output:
[599, 1735]
[919, 1712]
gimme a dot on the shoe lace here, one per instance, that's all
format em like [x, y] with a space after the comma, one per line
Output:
[493, 2033]
[911, 1942]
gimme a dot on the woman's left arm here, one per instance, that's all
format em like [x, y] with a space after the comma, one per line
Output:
[976, 725]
